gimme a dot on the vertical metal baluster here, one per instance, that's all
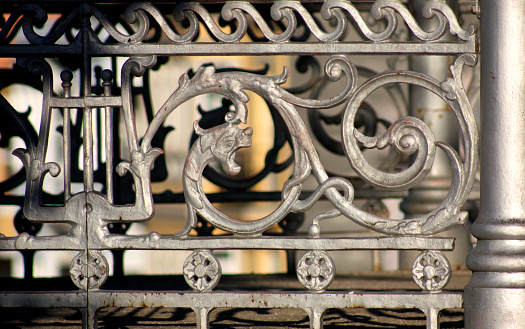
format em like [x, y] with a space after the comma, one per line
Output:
[432, 316]
[89, 317]
[203, 317]
[316, 316]
[495, 295]
[107, 77]
[88, 149]
[89, 321]
[88, 112]
[67, 77]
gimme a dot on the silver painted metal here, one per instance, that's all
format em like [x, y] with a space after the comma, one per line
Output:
[202, 270]
[435, 112]
[495, 295]
[89, 270]
[155, 241]
[89, 212]
[316, 270]
[431, 271]
[388, 11]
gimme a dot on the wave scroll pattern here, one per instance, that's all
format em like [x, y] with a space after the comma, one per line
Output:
[288, 12]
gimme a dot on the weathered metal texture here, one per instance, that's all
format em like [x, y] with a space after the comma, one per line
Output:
[95, 217]
[495, 295]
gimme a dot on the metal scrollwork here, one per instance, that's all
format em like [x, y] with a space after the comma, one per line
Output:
[222, 142]
[407, 136]
[100, 126]
[431, 271]
[89, 270]
[290, 12]
[316, 270]
[202, 270]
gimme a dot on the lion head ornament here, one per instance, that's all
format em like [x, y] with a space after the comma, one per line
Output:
[223, 142]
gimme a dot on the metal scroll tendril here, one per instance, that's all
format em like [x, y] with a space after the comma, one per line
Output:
[407, 136]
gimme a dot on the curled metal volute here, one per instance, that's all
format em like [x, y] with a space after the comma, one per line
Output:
[310, 22]
[335, 67]
[33, 14]
[277, 14]
[407, 135]
[134, 66]
[39, 66]
[132, 14]
[303, 65]
[363, 28]
[231, 13]
[137, 12]
[448, 214]
[412, 24]
[138, 65]
[36, 16]
[213, 26]
[447, 15]
[181, 15]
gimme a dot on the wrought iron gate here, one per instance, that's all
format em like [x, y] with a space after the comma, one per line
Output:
[103, 149]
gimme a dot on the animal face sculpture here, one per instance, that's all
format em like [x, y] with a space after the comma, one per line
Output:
[223, 142]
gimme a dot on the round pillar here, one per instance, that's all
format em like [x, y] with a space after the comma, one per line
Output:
[495, 296]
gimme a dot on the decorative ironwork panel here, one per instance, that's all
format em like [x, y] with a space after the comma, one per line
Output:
[117, 159]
